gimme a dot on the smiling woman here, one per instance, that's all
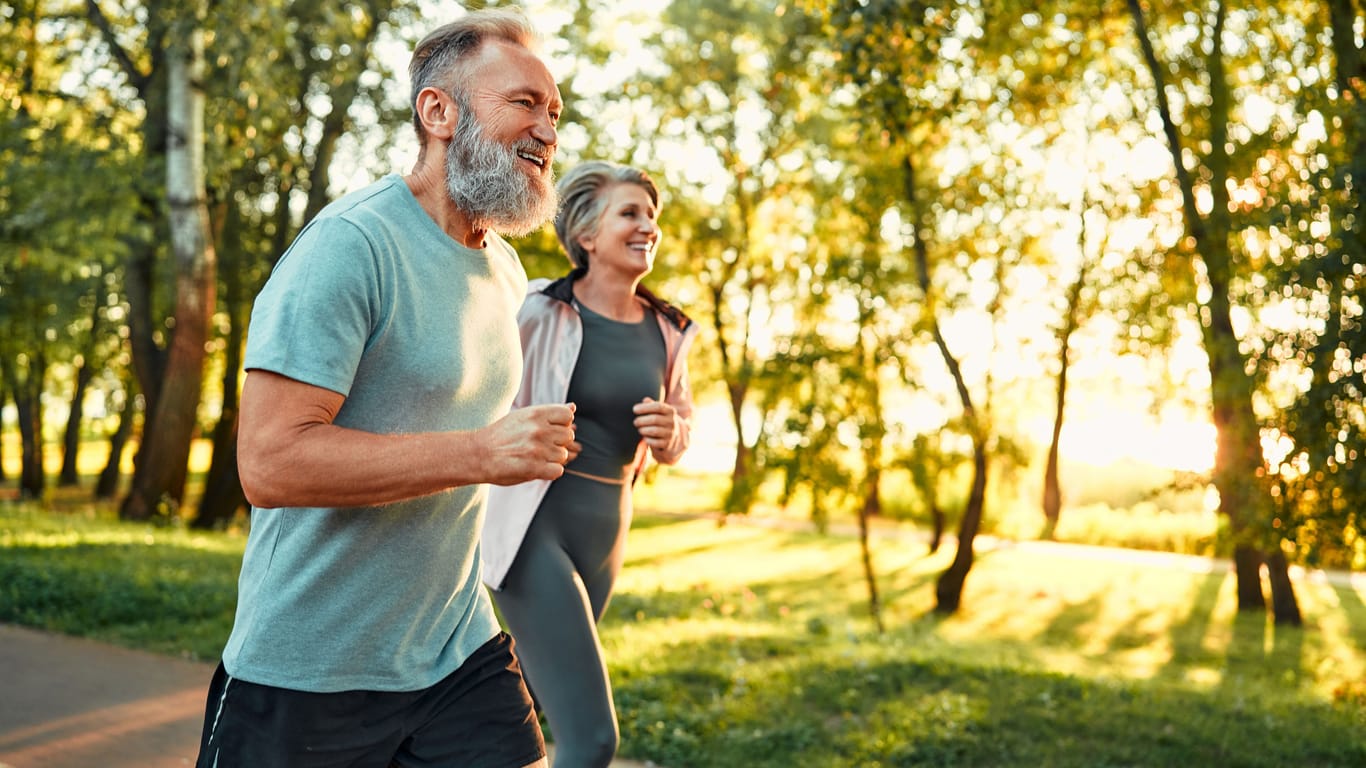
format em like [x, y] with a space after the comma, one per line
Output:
[601, 341]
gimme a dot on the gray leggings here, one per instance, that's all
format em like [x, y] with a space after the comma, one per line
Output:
[553, 597]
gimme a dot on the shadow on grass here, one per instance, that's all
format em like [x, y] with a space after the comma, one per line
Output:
[771, 599]
[775, 701]
[1189, 633]
[1355, 609]
[1256, 649]
[703, 547]
[1068, 623]
[899, 587]
[644, 520]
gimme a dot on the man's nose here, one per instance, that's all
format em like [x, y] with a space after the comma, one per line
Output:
[544, 131]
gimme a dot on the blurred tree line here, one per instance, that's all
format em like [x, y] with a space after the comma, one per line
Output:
[873, 207]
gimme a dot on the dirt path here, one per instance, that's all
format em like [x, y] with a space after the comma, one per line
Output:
[76, 703]
[68, 702]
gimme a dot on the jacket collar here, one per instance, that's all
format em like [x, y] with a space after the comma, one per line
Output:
[563, 289]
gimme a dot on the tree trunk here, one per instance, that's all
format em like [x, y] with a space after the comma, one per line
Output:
[735, 373]
[873, 434]
[164, 454]
[740, 498]
[1284, 607]
[144, 322]
[32, 475]
[871, 507]
[1052, 485]
[28, 392]
[71, 436]
[949, 588]
[926, 463]
[85, 371]
[107, 487]
[4, 399]
[148, 359]
[937, 523]
[223, 495]
[1238, 469]
[1239, 474]
[1348, 63]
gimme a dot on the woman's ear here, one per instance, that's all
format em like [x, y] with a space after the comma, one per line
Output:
[586, 241]
[438, 112]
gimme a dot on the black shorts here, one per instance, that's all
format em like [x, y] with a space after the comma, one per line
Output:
[480, 716]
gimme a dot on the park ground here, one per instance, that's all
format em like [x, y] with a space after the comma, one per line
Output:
[70, 702]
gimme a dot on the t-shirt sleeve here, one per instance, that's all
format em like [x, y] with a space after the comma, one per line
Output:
[312, 320]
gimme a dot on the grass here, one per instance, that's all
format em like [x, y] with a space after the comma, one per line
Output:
[740, 645]
[162, 589]
[750, 647]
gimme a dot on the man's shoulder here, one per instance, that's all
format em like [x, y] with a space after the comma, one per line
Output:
[382, 196]
[383, 216]
[357, 227]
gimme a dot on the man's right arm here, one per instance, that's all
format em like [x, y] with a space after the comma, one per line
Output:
[290, 454]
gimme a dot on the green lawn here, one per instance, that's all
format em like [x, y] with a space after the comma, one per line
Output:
[746, 646]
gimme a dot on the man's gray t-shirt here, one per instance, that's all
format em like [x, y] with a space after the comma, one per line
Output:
[374, 301]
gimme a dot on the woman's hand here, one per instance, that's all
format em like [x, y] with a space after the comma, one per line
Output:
[657, 422]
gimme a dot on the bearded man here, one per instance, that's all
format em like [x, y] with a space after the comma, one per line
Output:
[382, 361]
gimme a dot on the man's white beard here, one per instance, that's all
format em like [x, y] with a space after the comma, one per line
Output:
[485, 183]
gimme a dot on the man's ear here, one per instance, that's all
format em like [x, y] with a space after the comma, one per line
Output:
[438, 112]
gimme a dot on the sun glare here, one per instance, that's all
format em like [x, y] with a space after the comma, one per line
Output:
[1182, 445]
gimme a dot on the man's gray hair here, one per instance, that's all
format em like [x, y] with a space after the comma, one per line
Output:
[440, 59]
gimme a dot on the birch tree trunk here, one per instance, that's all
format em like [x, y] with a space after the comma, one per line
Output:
[159, 478]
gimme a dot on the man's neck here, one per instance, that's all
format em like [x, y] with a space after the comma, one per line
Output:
[429, 187]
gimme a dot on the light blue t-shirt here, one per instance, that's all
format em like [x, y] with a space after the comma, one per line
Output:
[374, 301]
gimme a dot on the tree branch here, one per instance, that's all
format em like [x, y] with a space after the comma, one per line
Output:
[1183, 178]
[137, 77]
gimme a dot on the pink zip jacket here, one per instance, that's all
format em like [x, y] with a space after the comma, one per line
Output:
[552, 334]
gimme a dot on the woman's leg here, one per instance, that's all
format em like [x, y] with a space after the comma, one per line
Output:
[598, 550]
[551, 614]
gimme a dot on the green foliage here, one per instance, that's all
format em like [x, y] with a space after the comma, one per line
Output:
[737, 93]
[1307, 239]
[778, 131]
[65, 214]
[157, 588]
[812, 391]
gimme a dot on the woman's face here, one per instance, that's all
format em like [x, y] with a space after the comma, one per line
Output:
[627, 235]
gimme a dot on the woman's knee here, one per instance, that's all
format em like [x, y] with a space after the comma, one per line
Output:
[590, 748]
[603, 742]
